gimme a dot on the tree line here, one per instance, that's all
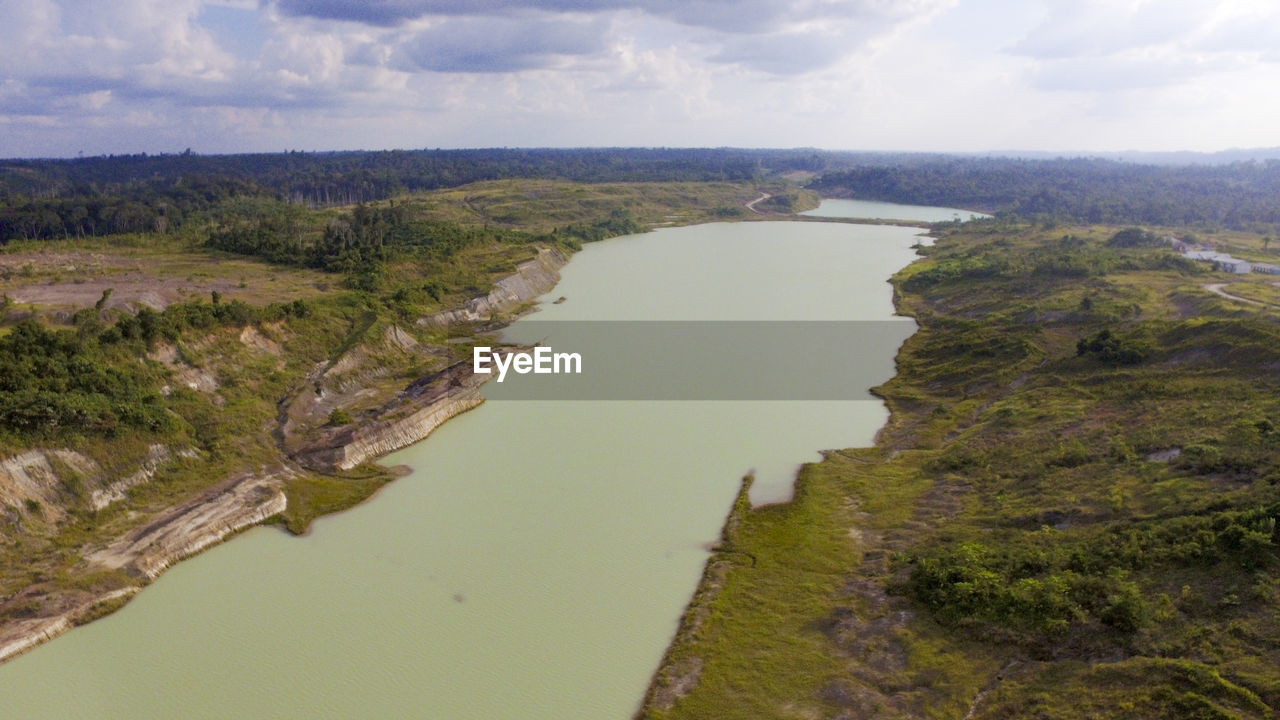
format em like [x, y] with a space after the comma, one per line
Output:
[44, 199]
[1240, 195]
[360, 245]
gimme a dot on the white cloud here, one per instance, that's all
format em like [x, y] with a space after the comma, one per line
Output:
[237, 75]
[1113, 46]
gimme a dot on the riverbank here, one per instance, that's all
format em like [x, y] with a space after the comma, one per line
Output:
[247, 499]
[1018, 540]
[777, 540]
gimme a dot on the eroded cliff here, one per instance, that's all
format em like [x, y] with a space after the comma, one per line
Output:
[532, 278]
[415, 413]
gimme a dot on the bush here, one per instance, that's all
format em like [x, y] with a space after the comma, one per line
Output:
[1133, 237]
[1109, 348]
[54, 381]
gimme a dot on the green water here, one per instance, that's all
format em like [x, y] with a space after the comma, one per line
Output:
[535, 563]
[874, 209]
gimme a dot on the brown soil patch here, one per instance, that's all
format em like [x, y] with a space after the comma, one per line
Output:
[128, 290]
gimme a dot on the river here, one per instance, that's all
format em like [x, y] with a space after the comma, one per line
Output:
[536, 561]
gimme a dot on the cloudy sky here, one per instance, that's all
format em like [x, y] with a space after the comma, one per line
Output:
[95, 77]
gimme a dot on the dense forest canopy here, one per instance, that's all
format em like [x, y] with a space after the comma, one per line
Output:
[159, 193]
[1239, 195]
[350, 177]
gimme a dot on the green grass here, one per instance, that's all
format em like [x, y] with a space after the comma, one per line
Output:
[1139, 687]
[543, 205]
[768, 643]
[313, 496]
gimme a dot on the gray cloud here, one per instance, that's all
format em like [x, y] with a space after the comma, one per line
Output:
[783, 54]
[23, 101]
[785, 37]
[499, 45]
[735, 16]
[50, 88]
[382, 13]
[392, 13]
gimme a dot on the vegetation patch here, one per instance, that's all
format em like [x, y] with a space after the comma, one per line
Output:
[312, 496]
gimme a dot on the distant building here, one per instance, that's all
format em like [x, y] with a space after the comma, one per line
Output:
[1232, 265]
[1266, 268]
[1223, 261]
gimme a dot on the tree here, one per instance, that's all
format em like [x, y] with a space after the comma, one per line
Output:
[149, 324]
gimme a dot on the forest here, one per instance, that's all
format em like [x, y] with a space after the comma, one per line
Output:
[1238, 196]
[43, 199]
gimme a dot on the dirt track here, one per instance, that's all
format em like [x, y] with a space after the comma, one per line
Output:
[1217, 289]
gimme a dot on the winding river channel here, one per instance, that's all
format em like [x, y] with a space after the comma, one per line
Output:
[536, 561]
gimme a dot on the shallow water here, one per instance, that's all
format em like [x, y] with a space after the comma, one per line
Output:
[535, 563]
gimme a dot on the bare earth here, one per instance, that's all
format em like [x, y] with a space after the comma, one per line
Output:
[77, 279]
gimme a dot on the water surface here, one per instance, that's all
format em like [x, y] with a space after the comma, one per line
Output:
[876, 210]
[535, 563]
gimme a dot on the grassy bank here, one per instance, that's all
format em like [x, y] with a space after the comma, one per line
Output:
[545, 205]
[1071, 512]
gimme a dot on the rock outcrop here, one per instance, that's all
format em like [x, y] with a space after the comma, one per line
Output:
[144, 553]
[195, 525]
[419, 409]
[39, 478]
[19, 637]
[157, 456]
[49, 481]
[531, 279]
[427, 403]
[184, 374]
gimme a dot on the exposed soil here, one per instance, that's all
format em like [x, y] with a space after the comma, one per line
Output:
[129, 290]
[70, 280]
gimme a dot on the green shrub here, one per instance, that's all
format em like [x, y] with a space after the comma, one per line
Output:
[1109, 348]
